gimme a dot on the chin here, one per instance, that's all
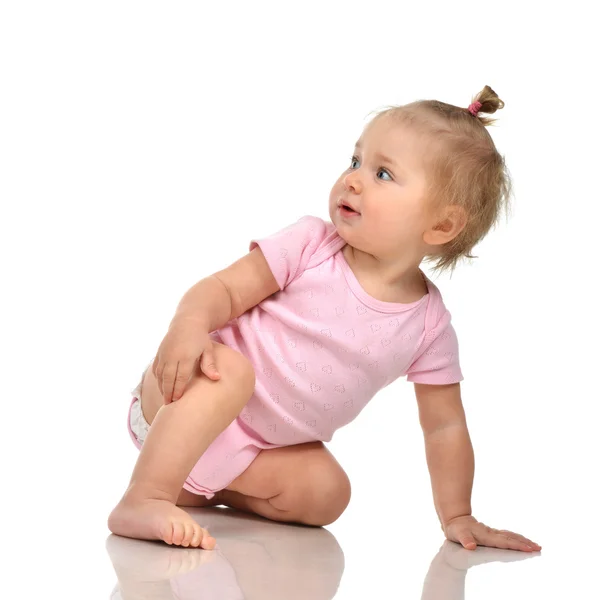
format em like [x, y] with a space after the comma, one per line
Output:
[343, 233]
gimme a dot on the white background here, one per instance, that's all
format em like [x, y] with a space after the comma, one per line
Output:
[144, 144]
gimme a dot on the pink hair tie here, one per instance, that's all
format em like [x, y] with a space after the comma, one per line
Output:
[474, 108]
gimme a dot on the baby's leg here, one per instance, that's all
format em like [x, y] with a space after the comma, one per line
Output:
[179, 435]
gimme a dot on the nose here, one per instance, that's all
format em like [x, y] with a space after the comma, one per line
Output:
[352, 182]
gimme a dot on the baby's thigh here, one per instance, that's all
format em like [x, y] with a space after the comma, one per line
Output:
[234, 367]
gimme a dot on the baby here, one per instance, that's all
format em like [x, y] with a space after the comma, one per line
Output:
[266, 359]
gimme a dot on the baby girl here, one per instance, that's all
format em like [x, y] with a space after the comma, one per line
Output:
[264, 360]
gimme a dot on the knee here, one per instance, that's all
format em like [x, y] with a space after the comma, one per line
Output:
[236, 370]
[329, 497]
[235, 386]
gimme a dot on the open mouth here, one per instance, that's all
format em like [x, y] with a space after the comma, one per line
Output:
[347, 210]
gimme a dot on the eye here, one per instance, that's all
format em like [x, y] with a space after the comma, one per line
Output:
[355, 159]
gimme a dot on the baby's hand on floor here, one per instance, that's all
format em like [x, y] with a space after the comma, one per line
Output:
[468, 532]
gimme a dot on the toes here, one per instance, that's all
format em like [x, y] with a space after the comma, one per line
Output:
[196, 536]
[188, 534]
[167, 532]
[208, 542]
[178, 535]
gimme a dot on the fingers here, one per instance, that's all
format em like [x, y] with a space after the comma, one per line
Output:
[522, 538]
[157, 373]
[207, 365]
[508, 540]
[173, 379]
[482, 535]
[167, 380]
[179, 380]
[183, 375]
[467, 540]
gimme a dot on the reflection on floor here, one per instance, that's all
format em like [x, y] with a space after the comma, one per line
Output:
[263, 560]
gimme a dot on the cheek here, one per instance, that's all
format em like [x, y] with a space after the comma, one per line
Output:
[400, 222]
[335, 191]
[339, 185]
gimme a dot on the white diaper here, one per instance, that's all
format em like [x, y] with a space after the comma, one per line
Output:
[138, 423]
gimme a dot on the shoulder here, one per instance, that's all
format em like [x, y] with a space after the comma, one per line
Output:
[308, 226]
[320, 235]
[289, 251]
[316, 225]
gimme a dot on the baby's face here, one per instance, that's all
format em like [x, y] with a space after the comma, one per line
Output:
[386, 184]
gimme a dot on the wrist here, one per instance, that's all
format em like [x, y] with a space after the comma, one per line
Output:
[451, 516]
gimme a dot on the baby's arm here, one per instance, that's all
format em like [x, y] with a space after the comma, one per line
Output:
[451, 464]
[228, 293]
[449, 452]
[205, 307]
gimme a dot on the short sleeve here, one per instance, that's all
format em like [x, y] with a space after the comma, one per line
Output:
[439, 362]
[288, 251]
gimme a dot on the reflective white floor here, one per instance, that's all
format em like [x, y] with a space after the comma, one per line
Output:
[70, 554]
[261, 560]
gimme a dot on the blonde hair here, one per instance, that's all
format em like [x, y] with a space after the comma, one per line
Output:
[464, 168]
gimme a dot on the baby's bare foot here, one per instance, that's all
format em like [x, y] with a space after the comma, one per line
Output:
[151, 519]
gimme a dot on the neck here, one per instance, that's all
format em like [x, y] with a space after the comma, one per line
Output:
[402, 274]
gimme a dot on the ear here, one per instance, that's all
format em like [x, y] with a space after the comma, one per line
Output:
[452, 221]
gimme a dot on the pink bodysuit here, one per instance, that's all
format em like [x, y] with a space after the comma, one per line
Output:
[321, 348]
